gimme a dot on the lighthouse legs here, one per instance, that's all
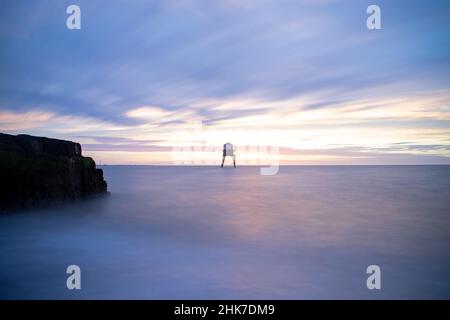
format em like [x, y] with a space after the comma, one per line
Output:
[223, 160]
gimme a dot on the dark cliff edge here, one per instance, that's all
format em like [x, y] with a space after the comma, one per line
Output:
[37, 171]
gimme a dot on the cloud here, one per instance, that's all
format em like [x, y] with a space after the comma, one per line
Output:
[148, 113]
[160, 116]
[304, 75]
[379, 126]
[42, 122]
[11, 121]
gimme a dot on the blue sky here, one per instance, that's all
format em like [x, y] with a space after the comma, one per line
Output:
[306, 76]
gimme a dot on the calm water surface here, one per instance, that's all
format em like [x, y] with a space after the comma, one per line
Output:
[211, 233]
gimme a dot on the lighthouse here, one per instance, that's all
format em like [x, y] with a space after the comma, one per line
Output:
[228, 150]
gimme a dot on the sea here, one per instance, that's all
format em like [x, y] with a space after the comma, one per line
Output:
[193, 232]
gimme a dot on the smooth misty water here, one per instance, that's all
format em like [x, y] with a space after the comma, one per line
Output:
[211, 233]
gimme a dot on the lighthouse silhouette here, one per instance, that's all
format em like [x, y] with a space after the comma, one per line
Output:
[228, 150]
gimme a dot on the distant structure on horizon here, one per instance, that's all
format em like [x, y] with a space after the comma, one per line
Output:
[228, 150]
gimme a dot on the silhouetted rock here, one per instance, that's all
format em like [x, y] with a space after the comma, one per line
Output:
[37, 170]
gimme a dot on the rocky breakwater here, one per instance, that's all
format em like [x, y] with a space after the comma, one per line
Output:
[41, 171]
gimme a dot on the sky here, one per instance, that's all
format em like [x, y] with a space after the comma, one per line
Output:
[168, 82]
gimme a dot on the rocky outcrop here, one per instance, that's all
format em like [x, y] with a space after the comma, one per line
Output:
[37, 170]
